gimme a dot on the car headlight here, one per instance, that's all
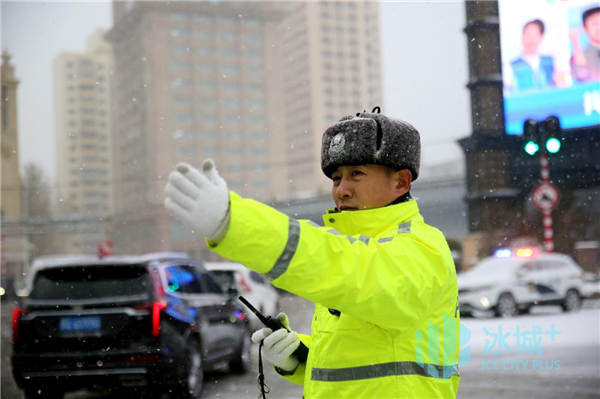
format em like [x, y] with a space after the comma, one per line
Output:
[485, 301]
[473, 290]
[2, 291]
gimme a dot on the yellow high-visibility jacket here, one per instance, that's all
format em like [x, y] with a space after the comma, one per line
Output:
[390, 276]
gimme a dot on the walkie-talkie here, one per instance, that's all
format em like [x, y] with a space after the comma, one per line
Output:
[301, 353]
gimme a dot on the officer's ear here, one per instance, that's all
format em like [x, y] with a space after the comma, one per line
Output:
[403, 179]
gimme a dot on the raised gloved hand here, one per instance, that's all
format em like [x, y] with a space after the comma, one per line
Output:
[278, 346]
[200, 200]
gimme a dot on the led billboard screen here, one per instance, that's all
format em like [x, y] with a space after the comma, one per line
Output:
[550, 62]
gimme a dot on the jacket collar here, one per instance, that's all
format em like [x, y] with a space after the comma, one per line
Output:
[371, 222]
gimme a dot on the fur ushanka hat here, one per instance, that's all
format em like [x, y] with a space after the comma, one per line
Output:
[371, 138]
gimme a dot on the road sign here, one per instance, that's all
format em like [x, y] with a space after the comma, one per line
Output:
[105, 248]
[545, 197]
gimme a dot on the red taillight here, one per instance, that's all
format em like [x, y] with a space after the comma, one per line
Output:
[15, 324]
[142, 358]
[156, 307]
[245, 287]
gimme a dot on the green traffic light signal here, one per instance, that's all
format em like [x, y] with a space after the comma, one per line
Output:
[553, 145]
[531, 148]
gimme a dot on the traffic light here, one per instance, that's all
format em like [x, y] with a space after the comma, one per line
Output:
[552, 128]
[530, 134]
[546, 133]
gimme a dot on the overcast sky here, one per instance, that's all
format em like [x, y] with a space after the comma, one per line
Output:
[425, 68]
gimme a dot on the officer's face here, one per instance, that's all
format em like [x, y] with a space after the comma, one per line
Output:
[368, 186]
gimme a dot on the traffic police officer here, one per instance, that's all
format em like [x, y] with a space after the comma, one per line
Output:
[386, 322]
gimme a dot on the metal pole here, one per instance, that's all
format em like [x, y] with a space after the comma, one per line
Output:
[548, 231]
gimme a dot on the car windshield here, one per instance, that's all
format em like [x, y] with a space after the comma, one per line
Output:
[226, 278]
[90, 282]
[494, 268]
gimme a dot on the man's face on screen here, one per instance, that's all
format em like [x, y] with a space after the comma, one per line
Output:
[592, 27]
[532, 37]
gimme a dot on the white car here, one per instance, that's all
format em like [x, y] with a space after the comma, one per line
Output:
[259, 292]
[513, 281]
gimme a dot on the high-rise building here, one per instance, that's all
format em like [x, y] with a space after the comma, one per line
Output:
[251, 85]
[331, 67]
[82, 113]
[191, 83]
[11, 181]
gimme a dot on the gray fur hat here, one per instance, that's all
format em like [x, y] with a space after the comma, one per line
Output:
[370, 138]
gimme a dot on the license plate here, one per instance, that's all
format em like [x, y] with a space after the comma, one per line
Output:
[81, 323]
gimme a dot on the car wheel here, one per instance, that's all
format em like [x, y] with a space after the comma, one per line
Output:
[191, 381]
[43, 392]
[241, 364]
[572, 301]
[506, 307]
[525, 310]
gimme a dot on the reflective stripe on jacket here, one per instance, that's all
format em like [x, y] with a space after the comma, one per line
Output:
[390, 276]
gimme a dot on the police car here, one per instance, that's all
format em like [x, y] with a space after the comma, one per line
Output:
[514, 280]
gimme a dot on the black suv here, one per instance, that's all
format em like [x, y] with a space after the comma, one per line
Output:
[157, 321]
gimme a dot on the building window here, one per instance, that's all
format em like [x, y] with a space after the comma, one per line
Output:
[255, 104]
[209, 151]
[179, 134]
[184, 151]
[179, 49]
[234, 168]
[252, 38]
[178, 16]
[209, 102]
[227, 20]
[231, 103]
[228, 36]
[230, 69]
[252, 22]
[205, 68]
[181, 84]
[228, 53]
[208, 118]
[202, 18]
[206, 86]
[206, 51]
[209, 135]
[178, 65]
[255, 70]
[234, 151]
[254, 53]
[178, 33]
[234, 120]
[183, 118]
[204, 35]
[182, 101]
[231, 86]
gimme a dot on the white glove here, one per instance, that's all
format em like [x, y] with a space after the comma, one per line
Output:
[200, 200]
[278, 346]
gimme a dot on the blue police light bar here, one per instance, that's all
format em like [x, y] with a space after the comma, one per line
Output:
[502, 253]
